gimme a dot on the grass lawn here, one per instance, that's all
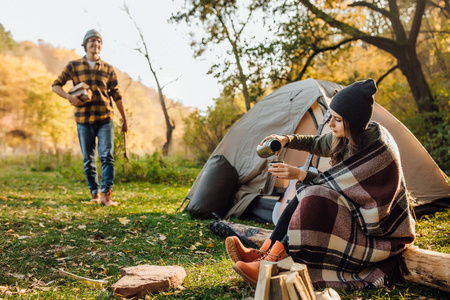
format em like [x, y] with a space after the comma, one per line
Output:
[47, 224]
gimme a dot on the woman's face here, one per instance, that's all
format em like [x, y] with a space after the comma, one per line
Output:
[337, 125]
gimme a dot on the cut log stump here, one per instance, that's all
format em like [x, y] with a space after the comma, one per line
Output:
[426, 267]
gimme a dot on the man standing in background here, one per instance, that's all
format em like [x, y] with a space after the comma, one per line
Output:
[95, 118]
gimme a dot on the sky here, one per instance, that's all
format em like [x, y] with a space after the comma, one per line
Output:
[63, 23]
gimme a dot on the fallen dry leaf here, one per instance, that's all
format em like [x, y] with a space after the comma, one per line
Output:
[18, 276]
[124, 221]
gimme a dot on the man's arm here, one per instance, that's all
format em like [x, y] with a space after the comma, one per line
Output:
[119, 105]
[72, 99]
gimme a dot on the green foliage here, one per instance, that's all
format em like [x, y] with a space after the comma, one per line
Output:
[288, 48]
[47, 114]
[204, 132]
[47, 223]
[6, 40]
[433, 131]
[224, 24]
[156, 169]
[432, 232]
[34, 119]
[152, 169]
[42, 119]
[49, 163]
[64, 163]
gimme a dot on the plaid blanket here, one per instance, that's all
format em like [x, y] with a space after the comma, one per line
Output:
[354, 220]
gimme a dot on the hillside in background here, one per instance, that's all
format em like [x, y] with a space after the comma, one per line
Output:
[33, 118]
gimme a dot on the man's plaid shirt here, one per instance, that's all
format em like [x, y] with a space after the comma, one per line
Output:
[102, 80]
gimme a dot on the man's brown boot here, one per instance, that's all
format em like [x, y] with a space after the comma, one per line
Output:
[107, 199]
[238, 252]
[95, 198]
[250, 271]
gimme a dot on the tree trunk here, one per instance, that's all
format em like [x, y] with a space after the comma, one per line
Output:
[403, 47]
[169, 124]
[242, 77]
[410, 66]
[245, 92]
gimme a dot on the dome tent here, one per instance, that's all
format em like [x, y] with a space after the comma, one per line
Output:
[298, 108]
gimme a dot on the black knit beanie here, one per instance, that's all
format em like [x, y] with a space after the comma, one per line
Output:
[355, 102]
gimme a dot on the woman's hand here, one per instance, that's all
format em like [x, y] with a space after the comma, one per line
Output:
[283, 139]
[285, 171]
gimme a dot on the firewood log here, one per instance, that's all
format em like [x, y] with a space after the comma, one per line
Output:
[426, 267]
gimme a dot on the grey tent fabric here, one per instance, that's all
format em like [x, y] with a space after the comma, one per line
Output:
[280, 112]
[424, 179]
[215, 190]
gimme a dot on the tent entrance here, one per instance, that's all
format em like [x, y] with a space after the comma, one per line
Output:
[261, 209]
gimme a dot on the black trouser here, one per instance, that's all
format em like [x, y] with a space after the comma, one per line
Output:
[281, 229]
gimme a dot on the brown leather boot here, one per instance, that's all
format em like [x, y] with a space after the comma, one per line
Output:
[249, 271]
[238, 252]
[95, 198]
[107, 199]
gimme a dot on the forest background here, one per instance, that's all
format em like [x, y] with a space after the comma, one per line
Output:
[298, 40]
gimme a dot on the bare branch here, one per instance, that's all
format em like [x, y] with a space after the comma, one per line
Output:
[380, 42]
[386, 74]
[443, 6]
[392, 15]
[170, 82]
[170, 125]
[317, 52]
[374, 7]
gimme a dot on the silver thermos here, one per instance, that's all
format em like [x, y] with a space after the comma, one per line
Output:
[269, 148]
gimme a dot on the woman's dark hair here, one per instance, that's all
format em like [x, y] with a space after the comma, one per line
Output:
[353, 143]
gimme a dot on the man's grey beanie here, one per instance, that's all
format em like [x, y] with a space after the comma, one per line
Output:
[354, 103]
[89, 34]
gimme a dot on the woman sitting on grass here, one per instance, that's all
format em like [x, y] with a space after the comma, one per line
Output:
[349, 224]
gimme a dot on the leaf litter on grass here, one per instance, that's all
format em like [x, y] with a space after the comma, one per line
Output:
[57, 231]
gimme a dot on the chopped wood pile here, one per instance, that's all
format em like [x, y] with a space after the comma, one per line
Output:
[287, 280]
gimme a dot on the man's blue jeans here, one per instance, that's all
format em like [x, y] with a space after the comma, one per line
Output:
[87, 135]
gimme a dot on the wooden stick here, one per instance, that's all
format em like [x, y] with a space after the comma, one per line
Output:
[96, 282]
[125, 155]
